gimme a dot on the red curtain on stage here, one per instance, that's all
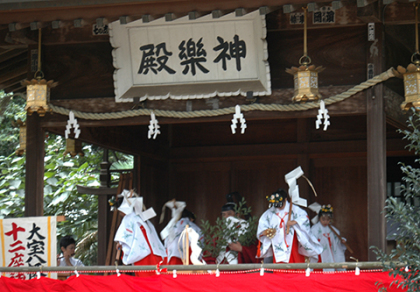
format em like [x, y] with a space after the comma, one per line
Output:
[279, 282]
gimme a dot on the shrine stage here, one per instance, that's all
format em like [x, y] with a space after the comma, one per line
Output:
[367, 281]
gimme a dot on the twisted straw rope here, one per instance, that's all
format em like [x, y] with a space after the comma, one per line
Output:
[229, 110]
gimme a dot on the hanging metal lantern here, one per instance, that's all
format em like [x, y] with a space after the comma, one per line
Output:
[22, 138]
[73, 147]
[306, 82]
[411, 76]
[38, 89]
[306, 75]
[38, 96]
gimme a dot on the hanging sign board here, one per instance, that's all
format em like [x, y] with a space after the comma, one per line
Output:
[28, 242]
[188, 59]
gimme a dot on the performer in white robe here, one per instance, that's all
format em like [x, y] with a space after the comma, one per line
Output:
[272, 232]
[333, 247]
[138, 238]
[173, 244]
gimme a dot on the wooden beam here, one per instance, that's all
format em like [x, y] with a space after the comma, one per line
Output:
[399, 12]
[7, 66]
[68, 33]
[346, 15]
[34, 184]
[18, 39]
[15, 88]
[371, 12]
[14, 26]
[292, 150]
[12, 82]
[120, 139]
[11, 53]
[395, 147]
[364, 3]
[96, 191]
[289, 8]
[47, 13]
[394, 114]
[5, 51]
[264, 10]
[19, 71]
[376, 150]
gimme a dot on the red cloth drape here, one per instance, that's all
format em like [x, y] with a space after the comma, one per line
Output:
[278, 282]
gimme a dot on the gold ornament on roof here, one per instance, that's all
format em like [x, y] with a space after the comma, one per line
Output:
[306, 75]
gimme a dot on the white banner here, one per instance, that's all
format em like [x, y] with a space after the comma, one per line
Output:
[187, 59]
[29, 241]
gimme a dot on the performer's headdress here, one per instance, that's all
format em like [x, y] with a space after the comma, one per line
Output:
[115, 202]
[236, 203]
[277, 199]
[129, 198]
[326, 210]
[188, 214]
[133, 203]
[320, 210]
[229, 206]
[230, 198]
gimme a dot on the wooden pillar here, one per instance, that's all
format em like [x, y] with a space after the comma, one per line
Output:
[376, 149]
[137, 174]
[34, 184]
[104, 219]
[104, 192]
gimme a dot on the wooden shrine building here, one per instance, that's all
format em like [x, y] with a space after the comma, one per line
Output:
[196, 157]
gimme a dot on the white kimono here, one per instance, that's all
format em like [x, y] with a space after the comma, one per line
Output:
[333, 248]
[134, 244]
[74, 262]
[282, 244]
[172, 244]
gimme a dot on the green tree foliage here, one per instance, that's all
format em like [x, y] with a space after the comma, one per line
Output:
[407, 217]
[61, 177]
[11, 109]
[216, 237]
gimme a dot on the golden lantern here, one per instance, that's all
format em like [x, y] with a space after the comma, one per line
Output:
[73, 147]
[411, 76]
[38, 96]
[22, 138]
[38, 89]
[306, 75]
